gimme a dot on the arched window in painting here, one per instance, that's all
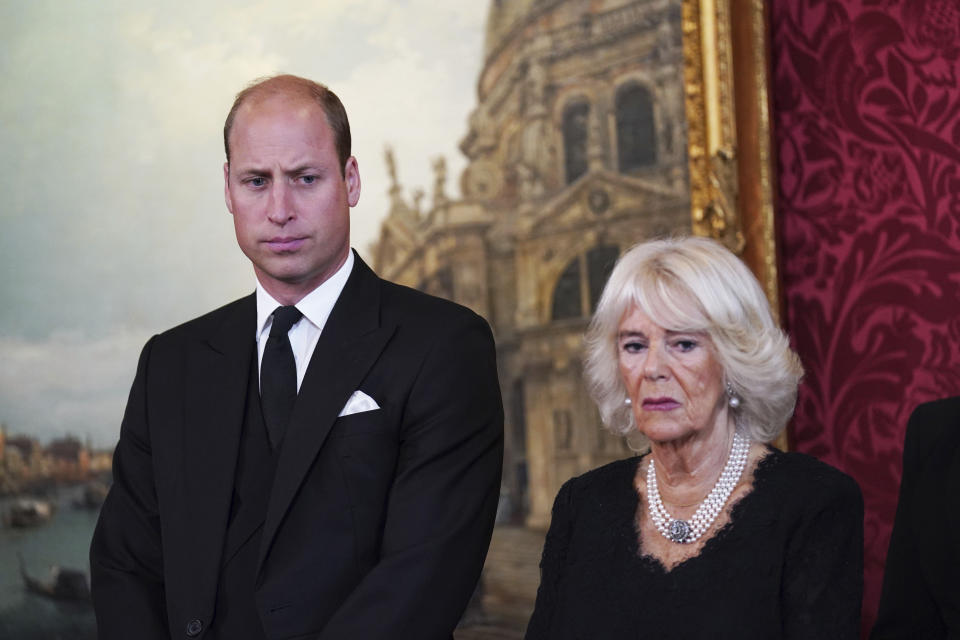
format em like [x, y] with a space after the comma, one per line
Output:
[636, 134]
[600, 261]
[575, 139]
[567, 298]
[579, 287]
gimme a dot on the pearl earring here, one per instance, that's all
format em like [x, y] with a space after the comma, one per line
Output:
[637, 442]
[627, 401]
[732, 398]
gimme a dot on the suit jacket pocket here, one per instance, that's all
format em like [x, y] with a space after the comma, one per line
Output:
[365, 448]
[364, 423]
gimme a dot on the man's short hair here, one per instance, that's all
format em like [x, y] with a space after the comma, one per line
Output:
[302, 87]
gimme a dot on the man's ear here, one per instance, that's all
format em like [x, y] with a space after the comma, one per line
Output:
[351, 177]
[226, 187]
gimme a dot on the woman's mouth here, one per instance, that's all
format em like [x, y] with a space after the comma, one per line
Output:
[660, 404]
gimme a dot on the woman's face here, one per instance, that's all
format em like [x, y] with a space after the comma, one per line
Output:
[673, 379]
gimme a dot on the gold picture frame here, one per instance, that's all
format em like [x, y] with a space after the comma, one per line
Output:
[729, 138]
[729, 141]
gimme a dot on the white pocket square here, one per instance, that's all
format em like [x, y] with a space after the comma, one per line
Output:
[357, 403]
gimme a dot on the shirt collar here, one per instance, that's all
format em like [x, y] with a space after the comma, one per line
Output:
[315, 306]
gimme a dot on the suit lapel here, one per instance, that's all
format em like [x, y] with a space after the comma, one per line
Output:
[350, 344]
[217, 377]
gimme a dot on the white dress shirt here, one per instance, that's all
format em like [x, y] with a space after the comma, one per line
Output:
[315, 307]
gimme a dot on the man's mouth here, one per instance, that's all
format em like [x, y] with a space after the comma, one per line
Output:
[284, 243]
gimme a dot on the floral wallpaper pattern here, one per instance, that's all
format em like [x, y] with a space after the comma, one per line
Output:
[867, 129]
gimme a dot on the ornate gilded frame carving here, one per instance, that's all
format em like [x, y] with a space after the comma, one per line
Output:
[726, 66]
[726, 63]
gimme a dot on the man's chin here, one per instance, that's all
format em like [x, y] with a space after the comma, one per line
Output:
[275, 270]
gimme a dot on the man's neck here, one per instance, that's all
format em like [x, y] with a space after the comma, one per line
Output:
[316, 305]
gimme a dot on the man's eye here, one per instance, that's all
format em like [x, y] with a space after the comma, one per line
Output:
[308, 179]
[257, 181]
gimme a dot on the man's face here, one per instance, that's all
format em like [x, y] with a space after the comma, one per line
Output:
[289, 200]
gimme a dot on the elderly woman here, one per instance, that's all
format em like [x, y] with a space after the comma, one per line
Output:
[713, 533]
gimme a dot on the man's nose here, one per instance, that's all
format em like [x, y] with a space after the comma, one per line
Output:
[280, 206]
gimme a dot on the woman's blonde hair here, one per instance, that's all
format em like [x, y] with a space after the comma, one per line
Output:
[696, 285]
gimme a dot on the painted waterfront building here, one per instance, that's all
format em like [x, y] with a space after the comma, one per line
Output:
[576, 151]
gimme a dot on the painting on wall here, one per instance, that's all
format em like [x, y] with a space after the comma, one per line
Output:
[509, 153]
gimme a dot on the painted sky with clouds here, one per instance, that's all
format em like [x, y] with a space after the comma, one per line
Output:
[111, 153]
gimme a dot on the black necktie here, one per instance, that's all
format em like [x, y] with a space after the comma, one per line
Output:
[278, 374]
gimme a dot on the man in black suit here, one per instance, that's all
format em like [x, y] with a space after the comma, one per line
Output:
[320, 459]
[921, 584]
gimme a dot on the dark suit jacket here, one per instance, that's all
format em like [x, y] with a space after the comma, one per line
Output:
[377, 523]
[921, 584]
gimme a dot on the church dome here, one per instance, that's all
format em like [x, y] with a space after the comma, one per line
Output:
[503, 16]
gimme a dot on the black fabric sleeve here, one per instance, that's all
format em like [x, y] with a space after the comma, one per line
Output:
[443, 500]
[126, 560]
[907, 608]
[822, 584]
[552, 565]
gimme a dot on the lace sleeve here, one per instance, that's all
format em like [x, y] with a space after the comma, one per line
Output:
[823, 569]
[551, 565]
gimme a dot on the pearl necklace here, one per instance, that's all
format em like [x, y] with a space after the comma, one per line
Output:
[685, 532]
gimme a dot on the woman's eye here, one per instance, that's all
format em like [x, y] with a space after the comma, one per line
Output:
[633, 347]
[685, 345]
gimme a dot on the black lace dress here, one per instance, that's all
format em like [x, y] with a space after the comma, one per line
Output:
[789, 564]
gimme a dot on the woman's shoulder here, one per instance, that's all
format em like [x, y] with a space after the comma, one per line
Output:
[616, 474]
[600, 496]
[612, 470]
[933, 426]
[809, 479]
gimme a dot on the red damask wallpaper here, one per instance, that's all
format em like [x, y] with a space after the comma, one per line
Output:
[867, 128]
